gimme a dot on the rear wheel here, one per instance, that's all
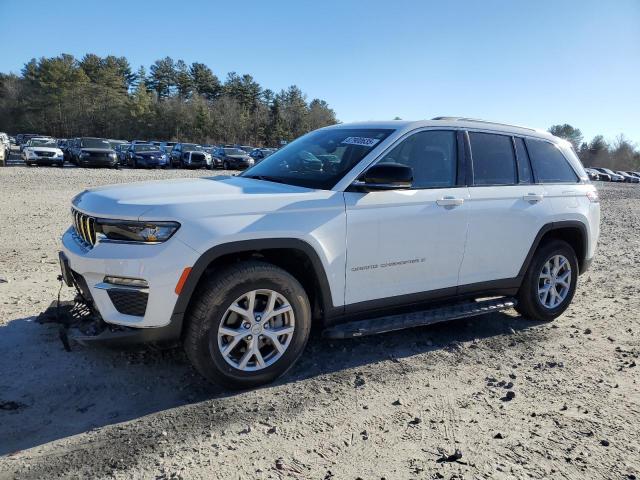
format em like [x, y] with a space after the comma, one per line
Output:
[550, 282]
[248, 325]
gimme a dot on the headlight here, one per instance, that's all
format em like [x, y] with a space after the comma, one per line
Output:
[139, 157]
[84, 155]
[113, 155]
[131, 231]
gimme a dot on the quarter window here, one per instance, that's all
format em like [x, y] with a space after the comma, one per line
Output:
[493, 159]
[432, 155]
[524, 166]
[549, 165]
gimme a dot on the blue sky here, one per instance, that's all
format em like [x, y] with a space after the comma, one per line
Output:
[528, 62]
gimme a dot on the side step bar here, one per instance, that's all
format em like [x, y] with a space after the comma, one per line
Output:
[373, 326]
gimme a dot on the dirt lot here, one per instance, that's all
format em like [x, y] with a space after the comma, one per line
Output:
[394, 406]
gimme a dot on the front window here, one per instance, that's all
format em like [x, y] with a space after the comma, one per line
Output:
[191, 147]
[432, 156]
[319, 159]
[94, 143]
[42, 143]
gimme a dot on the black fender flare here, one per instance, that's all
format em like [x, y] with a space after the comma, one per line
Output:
[208, 257]
[549, 227]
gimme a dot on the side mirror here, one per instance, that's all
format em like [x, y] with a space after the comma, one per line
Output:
[385, 176]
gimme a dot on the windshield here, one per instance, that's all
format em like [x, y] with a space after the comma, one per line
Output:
[319, 159]
[145, 147]
[42, 143]
[94, 143]
[191, 147]
[234, 151]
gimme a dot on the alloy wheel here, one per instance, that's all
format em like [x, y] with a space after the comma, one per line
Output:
[256, 330]
[554, 281]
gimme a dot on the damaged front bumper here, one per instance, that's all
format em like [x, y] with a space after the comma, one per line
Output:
[80, 321]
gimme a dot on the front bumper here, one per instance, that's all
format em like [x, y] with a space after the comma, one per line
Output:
[98, 162]
[47, 160]
[160, 265]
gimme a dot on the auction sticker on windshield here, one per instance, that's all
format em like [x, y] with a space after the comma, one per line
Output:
[363, 141]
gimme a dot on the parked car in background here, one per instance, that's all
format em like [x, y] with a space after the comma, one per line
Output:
[166, 147]
[615, 177]
[180, 156]
[593, 174]
[121, 151]
[5, 145]
[259, 154]
[232, 158]
[635, 174]
[146, 155]
[68, 150]
[627, 177]
[42, 151]
[115, 143]
[23, 138]
[94, 152]
[246, 148]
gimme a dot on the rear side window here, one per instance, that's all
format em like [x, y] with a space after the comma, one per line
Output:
[493, 160]
[549, 165]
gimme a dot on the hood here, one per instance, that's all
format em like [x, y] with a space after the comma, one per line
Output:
[191, 198]
[240, 157]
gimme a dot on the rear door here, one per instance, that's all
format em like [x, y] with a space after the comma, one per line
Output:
[409, 242]
[506, 209]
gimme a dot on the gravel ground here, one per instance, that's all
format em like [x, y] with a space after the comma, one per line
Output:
[393, 406]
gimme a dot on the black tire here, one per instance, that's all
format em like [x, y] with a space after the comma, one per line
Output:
[529, 304]
[225, 165]
[211, 300]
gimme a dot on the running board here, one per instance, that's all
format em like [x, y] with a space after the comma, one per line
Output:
[390, 323]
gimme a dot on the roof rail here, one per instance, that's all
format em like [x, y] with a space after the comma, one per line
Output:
[477, 120]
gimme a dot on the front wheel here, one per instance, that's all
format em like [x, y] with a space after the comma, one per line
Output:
[248, 326]
[549, 283]
[225, 165]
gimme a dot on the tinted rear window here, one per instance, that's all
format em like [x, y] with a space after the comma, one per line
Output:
[493, 159]
[549, 165]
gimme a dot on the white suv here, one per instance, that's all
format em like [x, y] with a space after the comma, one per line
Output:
[347, 226]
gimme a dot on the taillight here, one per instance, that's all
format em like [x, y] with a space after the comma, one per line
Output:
[592, 195]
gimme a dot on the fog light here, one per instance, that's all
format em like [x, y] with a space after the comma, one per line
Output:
[126, 282]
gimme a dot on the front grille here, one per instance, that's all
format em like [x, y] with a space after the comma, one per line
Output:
[85, 227]
[197, 158]
[98, 155]
[44, 154]
[129, 302]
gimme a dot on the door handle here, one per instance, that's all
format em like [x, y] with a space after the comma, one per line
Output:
[450, 202]
[533, 197]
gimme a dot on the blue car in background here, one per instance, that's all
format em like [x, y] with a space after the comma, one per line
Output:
[146, 155]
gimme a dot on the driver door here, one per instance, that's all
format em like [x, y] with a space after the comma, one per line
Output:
[408, 245]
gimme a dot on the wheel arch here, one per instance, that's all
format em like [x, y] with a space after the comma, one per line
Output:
[573, 232]
[295, 256]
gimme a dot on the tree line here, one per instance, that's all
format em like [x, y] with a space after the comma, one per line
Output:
[102, 96]
[621, 154]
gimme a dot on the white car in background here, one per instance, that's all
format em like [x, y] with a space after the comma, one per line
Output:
[42, 151]
[5, 145]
